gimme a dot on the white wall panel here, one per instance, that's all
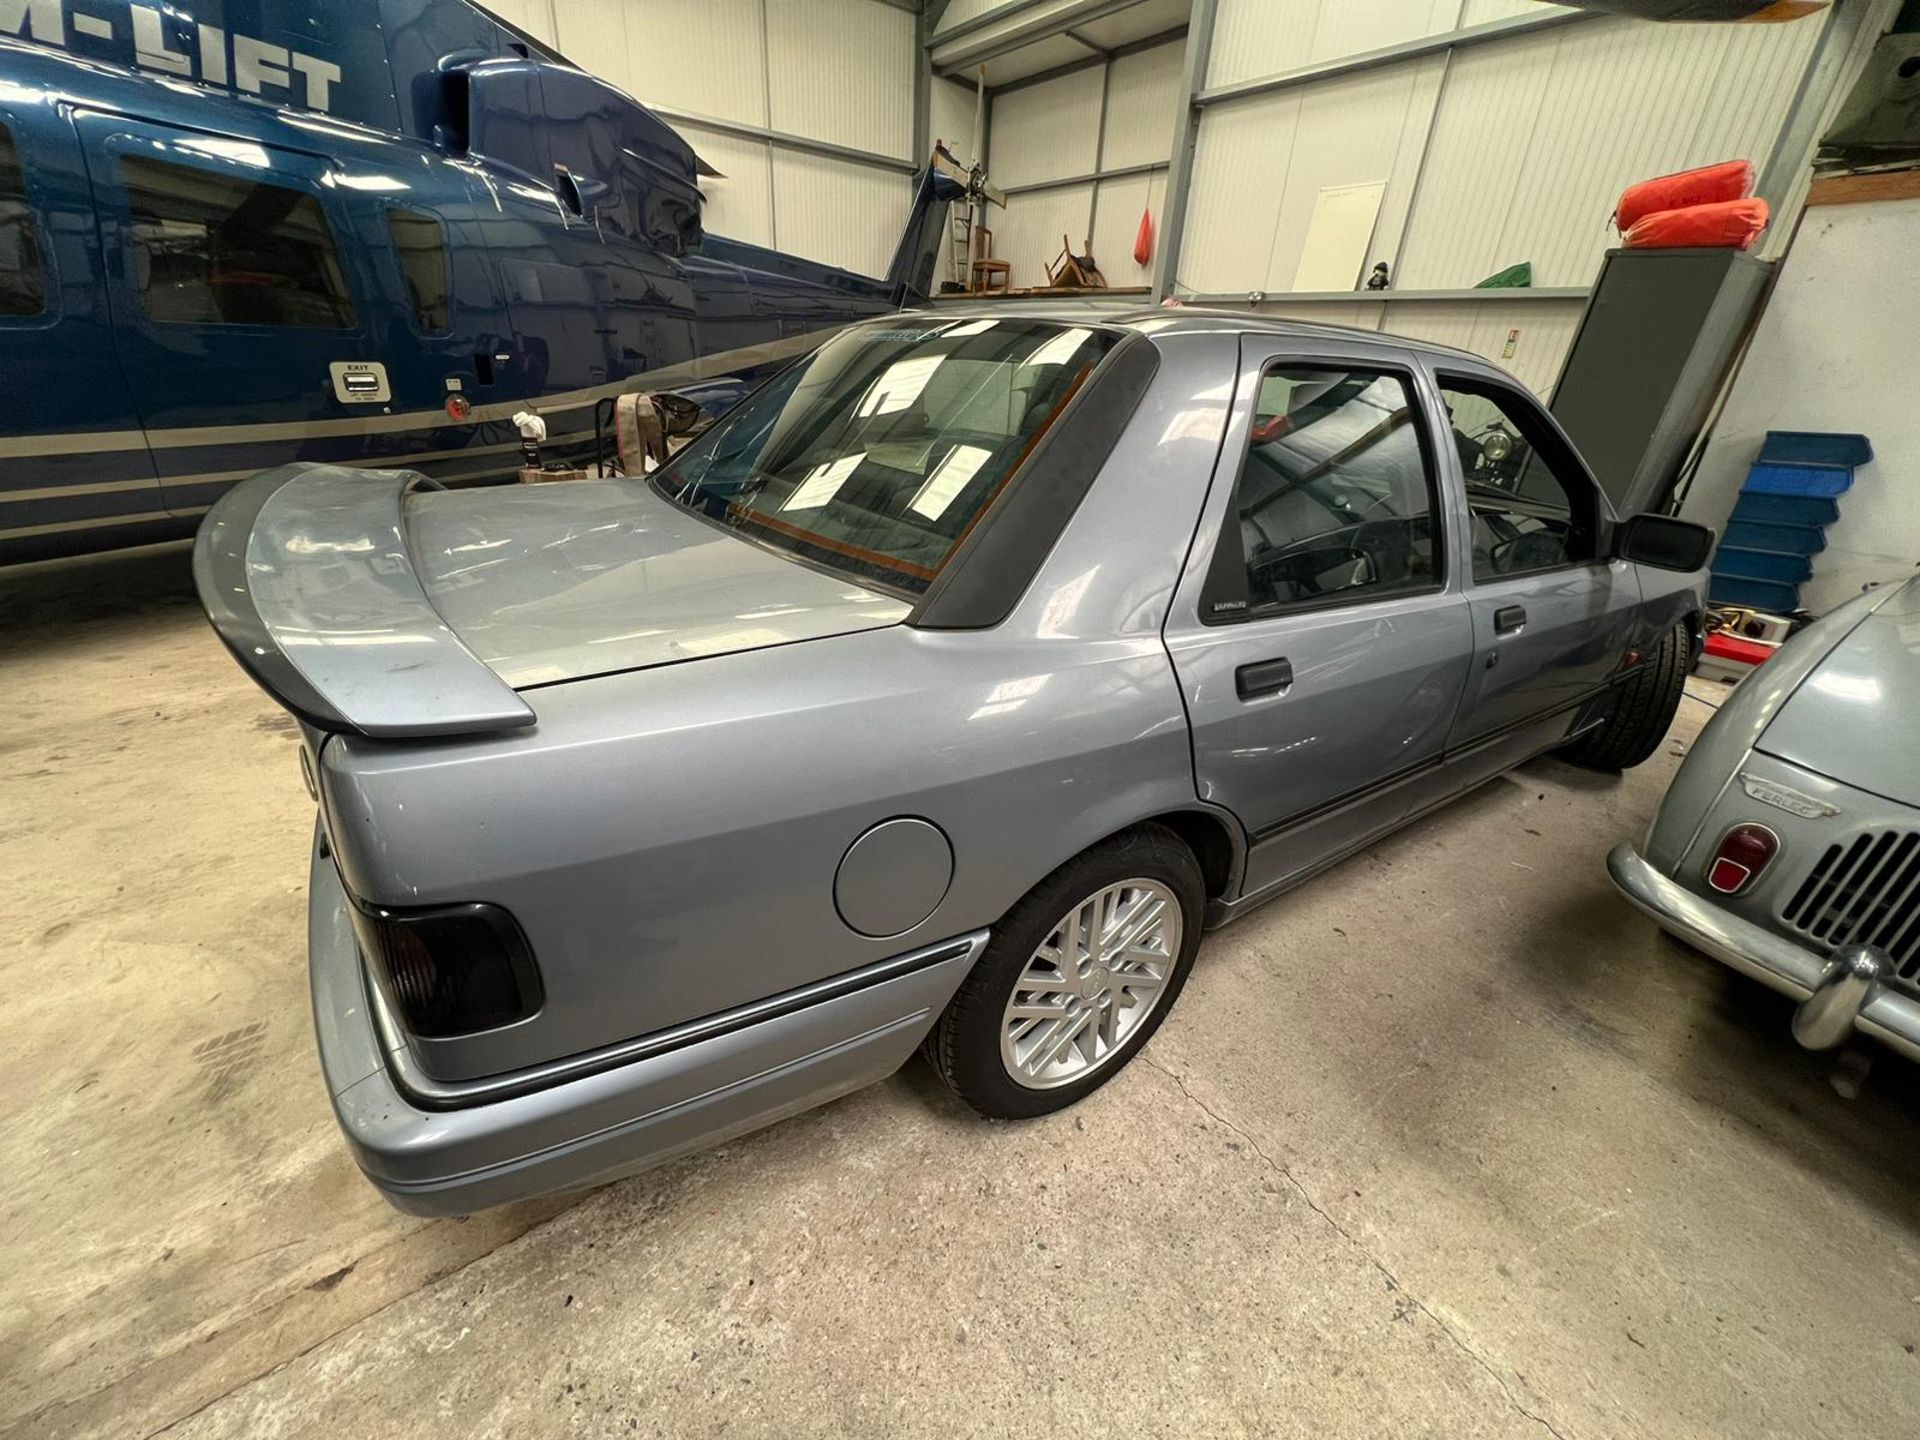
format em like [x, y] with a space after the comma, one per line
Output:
[1351, 131]
[593, 35]
[532, 16]
[1143, 96]
[739, 204]
[1261, 163]
[704, 56]
[1535, 138]
[1540, 350]
[1239, 172]
[1481, 138]
[1116, 225]
[842, 71]
[1253, 38]
[1046, 131]
[952, 117]
[845, 214]
[1027, 233]
[1351, 27]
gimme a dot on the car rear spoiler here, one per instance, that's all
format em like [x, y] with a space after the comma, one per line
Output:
[305, 574]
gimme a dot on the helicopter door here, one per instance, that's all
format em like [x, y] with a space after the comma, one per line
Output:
[72, 457]
[241, 315]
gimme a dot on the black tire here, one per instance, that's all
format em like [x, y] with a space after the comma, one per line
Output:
[964, 1046]
[1643, 712]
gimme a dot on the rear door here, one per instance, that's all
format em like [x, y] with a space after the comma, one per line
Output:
[72, 459]
[1552, 615]
[1319, 635]
[241, 317]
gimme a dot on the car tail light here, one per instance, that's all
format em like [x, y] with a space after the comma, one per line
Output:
[1743, 853]
[450, 971]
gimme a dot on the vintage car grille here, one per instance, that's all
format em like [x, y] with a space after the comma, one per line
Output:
[1865, 891]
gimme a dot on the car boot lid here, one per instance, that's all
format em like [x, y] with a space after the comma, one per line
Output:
[1852, 718]
[549, 583]
[371, 602]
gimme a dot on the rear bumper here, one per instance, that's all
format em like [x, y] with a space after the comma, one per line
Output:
[434, 1160]
[1886, 1014]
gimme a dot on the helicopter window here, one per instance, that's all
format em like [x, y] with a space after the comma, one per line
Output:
[874, 456]
[22, 291]
[1335, 497]
[422, 246]
[213, 249]
[1532, 507]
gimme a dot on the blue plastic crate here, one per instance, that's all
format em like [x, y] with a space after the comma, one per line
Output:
[1765, 535]
[1733, 561]
[1832, 449]
[1764, 595]
[1798, 480]
[1785, 509]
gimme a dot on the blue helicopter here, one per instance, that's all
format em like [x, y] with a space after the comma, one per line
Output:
[235, 233]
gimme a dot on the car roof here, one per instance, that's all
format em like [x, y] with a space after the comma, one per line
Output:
[1157, 320]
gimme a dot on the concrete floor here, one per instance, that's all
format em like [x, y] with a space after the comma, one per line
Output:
[1448, 1142]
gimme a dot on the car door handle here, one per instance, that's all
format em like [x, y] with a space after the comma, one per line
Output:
[1263, 677]
[1509, 620]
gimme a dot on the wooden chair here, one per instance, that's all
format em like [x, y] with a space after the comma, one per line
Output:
[1074, 272]
[990, 276]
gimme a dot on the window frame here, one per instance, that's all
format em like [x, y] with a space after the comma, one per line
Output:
[419, 212]
[1557, 452]
[42, 255]
[1226, 578]
[129, 219]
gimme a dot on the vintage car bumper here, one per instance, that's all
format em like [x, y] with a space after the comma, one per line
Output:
[1844, 993]
[436, 1150]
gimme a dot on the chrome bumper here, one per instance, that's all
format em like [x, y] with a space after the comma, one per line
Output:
[1838, 991]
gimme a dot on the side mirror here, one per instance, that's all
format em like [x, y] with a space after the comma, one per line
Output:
[1664, 542]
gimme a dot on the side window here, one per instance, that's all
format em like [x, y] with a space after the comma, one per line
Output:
[22, 290]
[1533, 507]
[421, 243]
[1335, 497]
[213, 249]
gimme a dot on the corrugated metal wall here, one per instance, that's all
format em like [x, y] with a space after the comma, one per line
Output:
[841, 72]
[1514, 149]
[1252, 38]
[1052, 130]
[1143, 93]
[1535, 138]
[1261, 163]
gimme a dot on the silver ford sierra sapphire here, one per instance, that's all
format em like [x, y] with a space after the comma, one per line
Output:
[940, 695]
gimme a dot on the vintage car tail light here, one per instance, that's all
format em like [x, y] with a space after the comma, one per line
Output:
[452, 970]
[1744, 852]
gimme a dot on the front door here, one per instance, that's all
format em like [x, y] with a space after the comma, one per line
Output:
[1552, 615]
[240, 314]
[1319, 634]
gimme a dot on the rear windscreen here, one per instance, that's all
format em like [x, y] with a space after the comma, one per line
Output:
[876, 454]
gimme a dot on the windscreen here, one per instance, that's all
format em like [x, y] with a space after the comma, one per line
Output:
[875, 455]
